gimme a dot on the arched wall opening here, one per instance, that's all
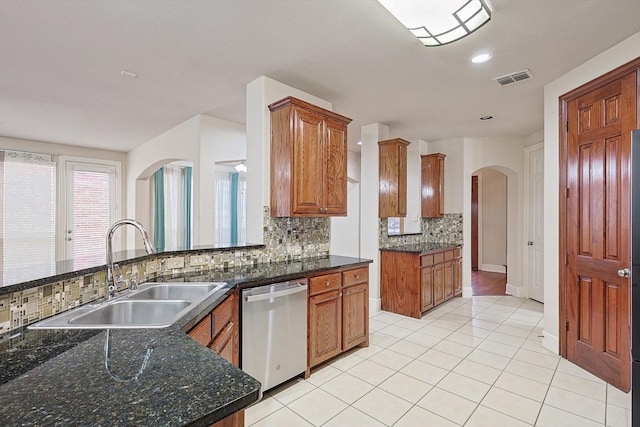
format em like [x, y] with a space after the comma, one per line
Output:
[511, 233]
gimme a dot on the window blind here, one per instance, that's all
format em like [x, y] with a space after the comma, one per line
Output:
[91, 216]
[27, 212]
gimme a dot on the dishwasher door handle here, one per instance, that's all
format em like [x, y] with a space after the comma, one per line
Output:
[294, 289]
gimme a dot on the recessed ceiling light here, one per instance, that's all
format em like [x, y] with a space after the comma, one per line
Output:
[359, 142]
[486, 117]
[129, 74]
[479, 59]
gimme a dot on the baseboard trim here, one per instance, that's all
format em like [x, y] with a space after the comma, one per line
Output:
[550, 342]
[493, 268]
[375, 305]
[515, 291]
[467, 292]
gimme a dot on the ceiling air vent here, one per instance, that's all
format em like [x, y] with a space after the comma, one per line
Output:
[513, 77]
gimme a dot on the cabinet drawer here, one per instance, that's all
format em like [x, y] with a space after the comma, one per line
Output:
[448, 255]
[352, 277]
[202, 331]
[324, 283]
[222, 314]
[438, 257]
[457, 253]
[426, 260]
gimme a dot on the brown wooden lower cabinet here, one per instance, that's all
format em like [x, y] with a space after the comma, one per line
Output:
[325, 326]
[338, 316]
[219, 330]
[412, 283]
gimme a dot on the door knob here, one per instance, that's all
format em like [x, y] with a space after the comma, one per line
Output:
[624, 272]
[530, 243]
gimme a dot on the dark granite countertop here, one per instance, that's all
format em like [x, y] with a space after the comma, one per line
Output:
[423, 248]
[37, 275]
[145, 376]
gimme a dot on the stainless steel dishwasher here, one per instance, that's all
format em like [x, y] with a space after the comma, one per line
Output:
[274, 332]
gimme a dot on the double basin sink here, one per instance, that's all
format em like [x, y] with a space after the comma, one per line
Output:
[152, 305]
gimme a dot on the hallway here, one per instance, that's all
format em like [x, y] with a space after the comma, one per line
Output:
[488, 283]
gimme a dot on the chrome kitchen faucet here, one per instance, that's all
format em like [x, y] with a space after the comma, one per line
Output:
[114, 276]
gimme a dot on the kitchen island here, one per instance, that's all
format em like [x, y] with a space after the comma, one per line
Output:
[418, 277]
[143, 376]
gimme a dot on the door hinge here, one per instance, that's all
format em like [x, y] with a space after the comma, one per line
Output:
[566, 325]
[566, 125]
[567, 192]
[566, 259]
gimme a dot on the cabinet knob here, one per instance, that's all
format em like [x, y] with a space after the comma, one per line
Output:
[328, 283]
[357, 276]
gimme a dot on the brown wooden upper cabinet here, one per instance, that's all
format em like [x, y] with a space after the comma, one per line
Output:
[308, 160]
[393, 178]
[432, 189]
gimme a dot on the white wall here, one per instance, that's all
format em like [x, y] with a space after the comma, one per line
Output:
[412, 221]
[345, 230]
[220, 140]
[260, 93]
[617, 55]
[369, 192]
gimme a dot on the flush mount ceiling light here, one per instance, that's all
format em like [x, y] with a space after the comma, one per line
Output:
[439, 22]
[479, 59]
[129, 74]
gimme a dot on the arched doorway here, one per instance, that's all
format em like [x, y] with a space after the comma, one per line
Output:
[489, 210]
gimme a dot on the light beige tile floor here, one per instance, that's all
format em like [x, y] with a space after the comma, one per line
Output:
[471, 362]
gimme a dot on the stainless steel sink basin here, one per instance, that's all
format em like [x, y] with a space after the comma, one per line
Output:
[153, 305]
[169, 291]
[134, 313]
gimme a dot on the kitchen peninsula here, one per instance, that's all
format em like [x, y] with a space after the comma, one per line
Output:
[417, 277]
[139, 376]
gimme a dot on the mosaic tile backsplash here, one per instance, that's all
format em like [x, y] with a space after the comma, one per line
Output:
[437, 230]
[285, 239]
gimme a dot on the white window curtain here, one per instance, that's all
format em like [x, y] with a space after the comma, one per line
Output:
[28, 198]
[173, 201]
[176, 205]
[224, 209]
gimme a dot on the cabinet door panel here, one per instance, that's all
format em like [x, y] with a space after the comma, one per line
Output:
[448, 280]
[432, 185]
[355, 327]
[325, 326]
[223, 343]
[457, 277]
[202, 331]
[426, 291]
[335, 172]
[438, 284]
[307, 164]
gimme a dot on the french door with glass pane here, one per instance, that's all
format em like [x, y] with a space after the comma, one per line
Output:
[90, 209]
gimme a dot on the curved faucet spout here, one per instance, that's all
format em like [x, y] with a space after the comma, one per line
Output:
[113, 277]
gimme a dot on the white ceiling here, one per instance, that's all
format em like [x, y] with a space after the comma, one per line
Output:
[60, 63]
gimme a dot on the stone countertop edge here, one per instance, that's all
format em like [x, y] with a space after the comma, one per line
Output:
[123, 258]
[423, 248]
[37, 362]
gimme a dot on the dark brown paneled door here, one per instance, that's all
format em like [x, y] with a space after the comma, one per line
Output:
[598, 229]
[474, 222]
